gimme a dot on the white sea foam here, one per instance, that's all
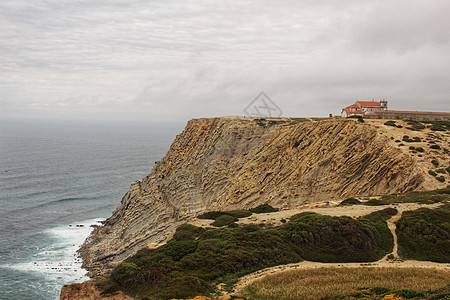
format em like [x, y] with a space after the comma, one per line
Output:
[59, 261]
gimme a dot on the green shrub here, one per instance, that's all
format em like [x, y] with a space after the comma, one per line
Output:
[224, 220]
[337, 239]
[407, 139]
[213, 215]
[263, 208]
[432, 173]
[435, 162]
[417, 139]
[381, 215]
[350, 201]
[442, 171]
[375, 202]
[415, 125]
[424, 234]
[397, 141]
[390, 123]
[242, 213]
[440, 178]
[412, 148]
[435, 146]
[447, 169]
[409, 294]
[420, 149]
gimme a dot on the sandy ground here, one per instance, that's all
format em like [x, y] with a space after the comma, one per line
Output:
[324, 208]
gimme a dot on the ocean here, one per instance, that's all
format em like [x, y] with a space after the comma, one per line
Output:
[57, 178]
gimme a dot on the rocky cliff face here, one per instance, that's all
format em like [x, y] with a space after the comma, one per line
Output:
[231, 163]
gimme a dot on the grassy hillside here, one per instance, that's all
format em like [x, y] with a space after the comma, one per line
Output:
[197, 259]
[424, 234]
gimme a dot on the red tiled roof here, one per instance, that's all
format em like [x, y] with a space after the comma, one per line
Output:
[369, 103]
[414, 112]
[353, 105]
[357, 112]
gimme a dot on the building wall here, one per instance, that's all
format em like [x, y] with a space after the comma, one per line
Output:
[410, 116]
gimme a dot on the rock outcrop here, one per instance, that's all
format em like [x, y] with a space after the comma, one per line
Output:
[88, 291]
[233, 163]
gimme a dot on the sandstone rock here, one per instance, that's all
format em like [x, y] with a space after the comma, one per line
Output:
[88, 291]
[237, 163]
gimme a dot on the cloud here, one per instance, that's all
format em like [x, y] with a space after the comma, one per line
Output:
[183, 59]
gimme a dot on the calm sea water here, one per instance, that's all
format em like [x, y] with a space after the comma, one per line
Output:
[55, 175]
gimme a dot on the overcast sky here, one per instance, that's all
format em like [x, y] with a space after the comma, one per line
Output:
[174, 59]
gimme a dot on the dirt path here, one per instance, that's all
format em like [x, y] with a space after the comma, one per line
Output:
[391, 223]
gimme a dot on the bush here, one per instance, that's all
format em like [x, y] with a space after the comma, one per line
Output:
[381, 215]
[263, 208]
[447, 169]
[224, 220]
[397, 141]
[409, 294]
[213, 215]
[239, 213]
[415, 125]
[412, 148]
[375, 202]
[442, 171]
[420, 149]
[424, 234]
[432, 173]
[407, 139]
[435, 146]
[440, 178]
[435, 162]
[417, 139]
[337, 239]
[390, 123]
[350, 201]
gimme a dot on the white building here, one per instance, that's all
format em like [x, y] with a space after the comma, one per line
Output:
[360, 108]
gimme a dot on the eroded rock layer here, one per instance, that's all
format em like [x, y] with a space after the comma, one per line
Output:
[232, 163]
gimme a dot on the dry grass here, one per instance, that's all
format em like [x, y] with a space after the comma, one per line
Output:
[325, 282]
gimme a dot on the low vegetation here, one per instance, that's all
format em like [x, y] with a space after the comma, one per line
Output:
[213, 215]
[427, 197]
[263, 208]
[424, 234]
[197, 259]
[415, 125]
[352, 283]
[438, 125]
[350, 201]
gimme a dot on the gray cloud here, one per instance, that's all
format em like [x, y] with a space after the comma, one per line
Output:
[183, 59]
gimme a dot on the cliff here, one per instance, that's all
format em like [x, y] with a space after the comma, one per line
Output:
[231, 163]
